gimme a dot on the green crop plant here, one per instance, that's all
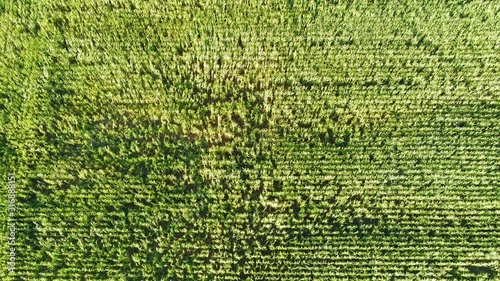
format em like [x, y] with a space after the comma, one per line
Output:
[250, 140]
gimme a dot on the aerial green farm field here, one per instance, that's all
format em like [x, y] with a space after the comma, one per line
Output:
[249, 140]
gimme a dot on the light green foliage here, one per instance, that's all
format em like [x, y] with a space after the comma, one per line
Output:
[291, 140]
